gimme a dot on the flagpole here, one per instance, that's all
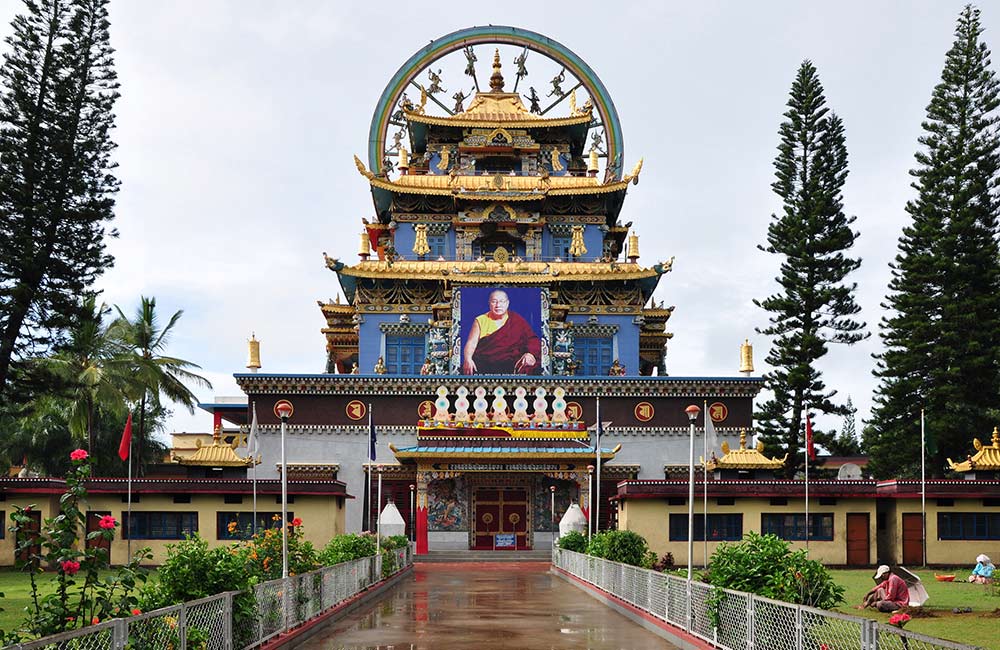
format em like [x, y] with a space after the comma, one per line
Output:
[253, 460]
[692, 413]
[923, 486]
[378, 517]
[368, 484]
[129, 482]
[808, 442]
[704, 465]
[597, 486]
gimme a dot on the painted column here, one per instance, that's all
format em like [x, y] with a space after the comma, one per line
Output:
[421, 513]
[582, 483]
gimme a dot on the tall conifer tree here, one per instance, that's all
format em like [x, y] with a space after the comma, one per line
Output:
[57, 91]
[815, 304]
[942, 337]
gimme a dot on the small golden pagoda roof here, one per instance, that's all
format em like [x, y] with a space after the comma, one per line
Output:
[744, 458]
[218, 454]
[987, 456]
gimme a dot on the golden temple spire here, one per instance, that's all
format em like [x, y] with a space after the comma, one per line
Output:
[254, 361]
[633, 248]
[746, 357]
[576, 245]
[420, 246]
[496, 80]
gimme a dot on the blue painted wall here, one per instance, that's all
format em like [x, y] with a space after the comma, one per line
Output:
[627, 338]
[371, 340]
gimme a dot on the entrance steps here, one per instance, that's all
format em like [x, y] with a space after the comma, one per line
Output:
[458, 555]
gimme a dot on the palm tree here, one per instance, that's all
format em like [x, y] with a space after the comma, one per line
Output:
[93, 366]
[154, 375]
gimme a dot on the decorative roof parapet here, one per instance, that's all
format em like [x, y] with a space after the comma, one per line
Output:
[218, 454]
[987, 457]
[744, 458]
[491, 271]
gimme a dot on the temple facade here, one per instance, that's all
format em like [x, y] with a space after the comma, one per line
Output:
[498, 309]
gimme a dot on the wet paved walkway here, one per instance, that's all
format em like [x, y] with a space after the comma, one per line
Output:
[474, 606]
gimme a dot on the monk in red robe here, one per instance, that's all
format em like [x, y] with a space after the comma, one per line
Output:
[501, 342]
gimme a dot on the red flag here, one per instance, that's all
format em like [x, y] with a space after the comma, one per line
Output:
[810, 449]
[126, 443]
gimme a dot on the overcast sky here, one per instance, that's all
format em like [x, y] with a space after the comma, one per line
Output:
[238, 122]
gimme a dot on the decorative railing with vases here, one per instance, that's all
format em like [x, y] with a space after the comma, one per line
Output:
[234, 620]
[733, 620]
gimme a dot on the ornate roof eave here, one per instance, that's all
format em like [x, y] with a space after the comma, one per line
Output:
[744, 458]
[466, 272]
[463, 121]
[987, 457]
[583, 454]
[217, 454]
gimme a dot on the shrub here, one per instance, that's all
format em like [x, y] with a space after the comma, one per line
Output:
[344, 548]
[622, 546]
[396, 541]
[573, 541]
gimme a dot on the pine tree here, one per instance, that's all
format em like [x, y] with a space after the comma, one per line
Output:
[942, 337]
[815, 304]
[57, 91]
[847, 442]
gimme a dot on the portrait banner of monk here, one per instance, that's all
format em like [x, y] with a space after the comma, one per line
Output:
[502, 331]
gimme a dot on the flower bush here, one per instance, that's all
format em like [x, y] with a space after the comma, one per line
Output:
[899, 620]
[80, 593]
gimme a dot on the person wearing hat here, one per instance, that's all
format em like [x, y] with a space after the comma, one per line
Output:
[889, 594]
[983, 573]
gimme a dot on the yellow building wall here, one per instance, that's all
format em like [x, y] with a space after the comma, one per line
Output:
[950, 552]
[322, 518]
[48, 505]
[651, 519]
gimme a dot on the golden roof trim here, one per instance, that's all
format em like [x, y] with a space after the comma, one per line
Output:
[987, 457]
[744, 458]
[515, 272]
[509, 455]
[498, 109]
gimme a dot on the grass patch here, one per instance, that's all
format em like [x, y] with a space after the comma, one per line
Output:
[16, 588]
[936, 618]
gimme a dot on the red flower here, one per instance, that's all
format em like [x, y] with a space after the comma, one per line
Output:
[136, 611]
[70, 567]
[899, 620]
[296, 522]
[108, 522]
[95, 621]
[78, 454]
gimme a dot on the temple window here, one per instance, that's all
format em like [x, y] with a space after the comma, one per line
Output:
[438, 245]
[594, 354]
[244, 523]
[721, 528]
[968, 525]
[159, 525]
[404, 354]
[560, 247]
[792, 527]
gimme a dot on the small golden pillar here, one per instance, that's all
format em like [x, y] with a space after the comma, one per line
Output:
[592, 164]
[420, 246]
[576, 245]
[254, 345]
[633, 248]
[746, 358]
[365, 249]
[404, 160]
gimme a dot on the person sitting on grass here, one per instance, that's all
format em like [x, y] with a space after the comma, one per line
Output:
[983, 573]
[889, 594]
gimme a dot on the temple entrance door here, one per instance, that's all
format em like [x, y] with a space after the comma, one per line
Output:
[857, 539]
[501, 510]
[913, 539]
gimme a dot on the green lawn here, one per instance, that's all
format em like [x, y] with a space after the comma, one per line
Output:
[981, 627]
[16, 588]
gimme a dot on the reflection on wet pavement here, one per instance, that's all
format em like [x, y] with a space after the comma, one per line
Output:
[490, 605]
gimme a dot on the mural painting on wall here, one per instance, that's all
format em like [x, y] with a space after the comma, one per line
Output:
[445, 509]
[541, 516]
[500, 331]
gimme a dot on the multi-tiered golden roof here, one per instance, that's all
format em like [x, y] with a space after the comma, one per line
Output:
[987, 457]
[744, 458]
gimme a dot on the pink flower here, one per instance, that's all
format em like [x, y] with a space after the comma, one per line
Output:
[899, 620]
[107, 522]
[78, 454]
[70, 567]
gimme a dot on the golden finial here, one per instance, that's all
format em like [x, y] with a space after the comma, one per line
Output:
[746, 357]
[365, 249]
[420, 246]
[254, 362]
[217, 434]
[576, 245]
[496, 80]
[743, 438]
[633, 247]
[592, 166]
[996, 438]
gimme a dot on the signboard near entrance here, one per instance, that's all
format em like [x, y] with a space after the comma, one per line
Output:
[505, 540]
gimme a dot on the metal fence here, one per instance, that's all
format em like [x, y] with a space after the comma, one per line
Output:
[232, 620]
[733, 620]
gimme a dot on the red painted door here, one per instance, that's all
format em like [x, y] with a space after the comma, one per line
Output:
[858, 550]
[93, 524]
[501, 510]
[31, 531]
[913, 539]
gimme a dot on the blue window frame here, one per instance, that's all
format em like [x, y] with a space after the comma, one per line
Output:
[560, 247]
[438, 245]
[792, 527]
[721, 528]
[969, 525]
[594, 354]
[159, 525]
[404, 354]
[244, 523]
